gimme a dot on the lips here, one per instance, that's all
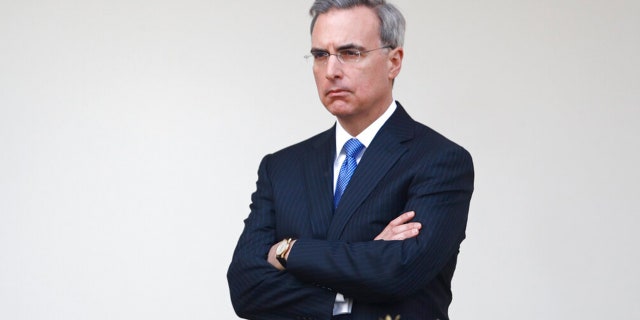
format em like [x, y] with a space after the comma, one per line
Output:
[336, 92]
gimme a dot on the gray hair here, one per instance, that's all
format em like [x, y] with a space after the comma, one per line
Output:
[392, 23]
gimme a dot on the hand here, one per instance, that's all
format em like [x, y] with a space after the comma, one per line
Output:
[271, 257]
[400, 228]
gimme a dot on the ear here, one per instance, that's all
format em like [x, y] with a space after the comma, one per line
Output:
[395, 62]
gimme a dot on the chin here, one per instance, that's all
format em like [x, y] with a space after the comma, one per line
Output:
[340, 112]
[339, 108]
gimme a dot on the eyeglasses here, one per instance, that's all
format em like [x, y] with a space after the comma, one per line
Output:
[349, 55]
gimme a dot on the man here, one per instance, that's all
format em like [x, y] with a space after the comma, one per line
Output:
[368, 231]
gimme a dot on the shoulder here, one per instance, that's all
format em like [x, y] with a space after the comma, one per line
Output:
[418, 136]
[318, 141]
[425, 145]
[432, 139]
[295, 153]
[437, 151]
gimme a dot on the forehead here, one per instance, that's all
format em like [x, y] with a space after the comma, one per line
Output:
[359, 25]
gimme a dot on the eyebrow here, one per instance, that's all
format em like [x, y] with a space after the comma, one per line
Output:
[350, 46]
[342, 47]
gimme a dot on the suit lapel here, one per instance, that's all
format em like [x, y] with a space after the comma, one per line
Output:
[383, 152]
[318, 175]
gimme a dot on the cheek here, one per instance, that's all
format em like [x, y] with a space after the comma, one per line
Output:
[318, 78]
[375, 82]
[366, 79]
[366, 84]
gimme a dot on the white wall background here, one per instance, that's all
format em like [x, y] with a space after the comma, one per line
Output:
[131, 132]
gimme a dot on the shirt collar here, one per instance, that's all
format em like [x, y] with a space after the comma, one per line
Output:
[365, 136]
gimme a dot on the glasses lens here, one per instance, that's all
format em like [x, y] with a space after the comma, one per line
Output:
[318, 56]
[349, 55]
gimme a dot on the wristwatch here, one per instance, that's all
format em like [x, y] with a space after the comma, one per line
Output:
[281, 251]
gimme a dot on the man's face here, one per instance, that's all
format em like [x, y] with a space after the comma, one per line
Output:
[359, 91]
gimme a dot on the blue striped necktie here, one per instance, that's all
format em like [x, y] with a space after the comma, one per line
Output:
[352, 148]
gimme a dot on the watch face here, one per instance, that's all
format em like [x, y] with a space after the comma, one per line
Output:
[281, 247]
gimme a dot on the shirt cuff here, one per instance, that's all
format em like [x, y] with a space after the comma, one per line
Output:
[342, 305]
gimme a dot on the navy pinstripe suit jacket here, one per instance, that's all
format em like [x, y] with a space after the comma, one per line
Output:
[407, 166]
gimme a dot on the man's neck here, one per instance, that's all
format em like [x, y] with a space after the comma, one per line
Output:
[356, 124]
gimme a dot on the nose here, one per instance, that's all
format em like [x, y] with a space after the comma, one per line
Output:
[333, 68]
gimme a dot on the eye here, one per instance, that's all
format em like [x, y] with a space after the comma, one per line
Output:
[350, 53]
[319, 54]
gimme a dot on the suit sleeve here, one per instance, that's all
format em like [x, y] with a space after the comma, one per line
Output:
[258, 290]
[378, 271]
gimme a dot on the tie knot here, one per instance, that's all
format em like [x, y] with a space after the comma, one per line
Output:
[352, 147]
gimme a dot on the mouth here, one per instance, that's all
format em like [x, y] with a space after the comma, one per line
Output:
[336, 92]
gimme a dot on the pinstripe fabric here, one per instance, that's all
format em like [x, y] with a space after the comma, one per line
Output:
[406, 167]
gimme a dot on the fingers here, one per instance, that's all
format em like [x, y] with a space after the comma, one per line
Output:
[401, 232]
[406, 231]
[403, 218]
[401, 228]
